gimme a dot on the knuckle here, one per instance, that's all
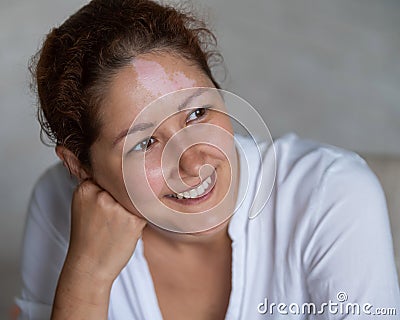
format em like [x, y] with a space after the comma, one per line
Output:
[85, 187]
[104, 199]
[86, 184]
[84, 190]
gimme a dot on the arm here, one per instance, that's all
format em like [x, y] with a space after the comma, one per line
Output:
[80, 294]
[103, 238]
[350, 249]
[46, 248]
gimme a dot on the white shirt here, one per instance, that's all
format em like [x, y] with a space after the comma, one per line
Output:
[323, 235]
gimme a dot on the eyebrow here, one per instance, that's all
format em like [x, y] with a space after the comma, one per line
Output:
[197, 93]
[135, 128]
[147, 125]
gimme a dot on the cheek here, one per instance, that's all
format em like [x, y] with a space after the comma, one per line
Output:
[106, 170]
[108, 175]
[224, 122]
[155, 177]
[142, 184]
[227, 140]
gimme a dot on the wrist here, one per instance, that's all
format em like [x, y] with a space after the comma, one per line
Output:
[81, 281]
[84, 266]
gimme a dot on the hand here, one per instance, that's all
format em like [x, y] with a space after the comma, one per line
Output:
[103, 233]
[103, 238]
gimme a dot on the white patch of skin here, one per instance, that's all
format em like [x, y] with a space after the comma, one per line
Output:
[164, 83]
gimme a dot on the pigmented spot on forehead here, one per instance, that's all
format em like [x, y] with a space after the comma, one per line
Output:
[155, 79]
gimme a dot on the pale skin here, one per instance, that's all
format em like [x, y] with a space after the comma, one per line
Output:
[191, 272]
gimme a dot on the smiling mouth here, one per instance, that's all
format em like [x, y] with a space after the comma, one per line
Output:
[196, 192]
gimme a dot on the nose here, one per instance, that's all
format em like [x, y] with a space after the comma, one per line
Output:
[183, 161]
[190, 163]
[184, 155]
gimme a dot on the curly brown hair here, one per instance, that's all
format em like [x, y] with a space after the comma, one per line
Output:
[78, 59]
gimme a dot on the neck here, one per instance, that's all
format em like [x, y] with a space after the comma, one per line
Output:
[210, 241]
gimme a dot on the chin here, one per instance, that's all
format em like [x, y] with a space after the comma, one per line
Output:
[222, 228]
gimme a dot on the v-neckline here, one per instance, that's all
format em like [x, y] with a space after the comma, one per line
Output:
[150, 302]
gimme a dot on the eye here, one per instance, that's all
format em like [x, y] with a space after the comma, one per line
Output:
[197, 114]
[143, 145]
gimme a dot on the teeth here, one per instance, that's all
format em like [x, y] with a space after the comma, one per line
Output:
[195, 192]
[200, 189]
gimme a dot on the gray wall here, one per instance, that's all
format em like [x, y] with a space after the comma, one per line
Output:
[328, 70]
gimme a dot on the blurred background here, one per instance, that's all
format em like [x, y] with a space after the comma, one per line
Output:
[328, 70]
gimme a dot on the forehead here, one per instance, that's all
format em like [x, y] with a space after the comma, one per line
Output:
[151, 76]
[147, 78]
[159, 78]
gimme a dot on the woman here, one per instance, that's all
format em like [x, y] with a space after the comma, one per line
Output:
[93, 249]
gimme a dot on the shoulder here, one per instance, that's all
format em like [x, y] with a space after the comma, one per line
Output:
[299, 171]
[311, 166]
[320, 186]
[297, 160]
[56, 179]
[316, 182]
[50, 201]
[307, 159]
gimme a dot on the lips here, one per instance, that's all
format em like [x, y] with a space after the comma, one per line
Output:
[196, 192]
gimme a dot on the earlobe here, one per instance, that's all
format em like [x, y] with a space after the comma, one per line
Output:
[72, 163]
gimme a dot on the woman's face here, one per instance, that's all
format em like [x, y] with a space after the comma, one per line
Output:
[152, 144]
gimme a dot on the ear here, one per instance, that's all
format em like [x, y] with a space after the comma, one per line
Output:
[72, 163]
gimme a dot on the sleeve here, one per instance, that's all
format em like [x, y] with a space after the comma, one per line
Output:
[45, 245]
[349, 258]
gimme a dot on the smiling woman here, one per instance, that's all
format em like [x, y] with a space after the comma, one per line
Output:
[149, 217]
